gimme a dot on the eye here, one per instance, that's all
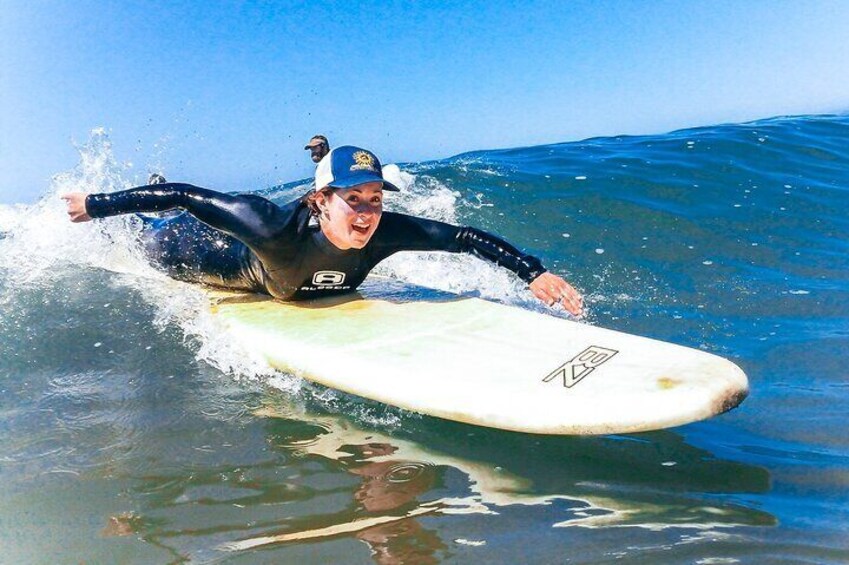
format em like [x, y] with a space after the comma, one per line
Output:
[376, 200]
[353, 198]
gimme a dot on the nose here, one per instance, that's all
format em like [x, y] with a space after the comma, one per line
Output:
[364, 209]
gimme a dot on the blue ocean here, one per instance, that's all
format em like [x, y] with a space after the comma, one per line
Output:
[132, 430]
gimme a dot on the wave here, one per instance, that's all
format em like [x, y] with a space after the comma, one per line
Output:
[649, 226]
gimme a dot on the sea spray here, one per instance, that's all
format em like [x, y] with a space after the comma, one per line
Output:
[42, 246]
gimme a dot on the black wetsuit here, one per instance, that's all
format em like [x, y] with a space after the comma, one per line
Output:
[246, 242]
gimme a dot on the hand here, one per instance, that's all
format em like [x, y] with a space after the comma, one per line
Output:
[551, 289]
[76, 206]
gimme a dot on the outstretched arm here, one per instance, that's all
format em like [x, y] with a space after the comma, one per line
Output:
[546, 286]
[244, 217]
[404, 232]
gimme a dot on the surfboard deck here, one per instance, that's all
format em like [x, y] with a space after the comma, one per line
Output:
[483, 363]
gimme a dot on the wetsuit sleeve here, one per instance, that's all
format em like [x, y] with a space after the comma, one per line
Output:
[245, 217]
[408, 233]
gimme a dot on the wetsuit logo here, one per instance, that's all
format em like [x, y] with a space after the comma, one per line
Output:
[328, 278]
[581, 365]
[363, 160]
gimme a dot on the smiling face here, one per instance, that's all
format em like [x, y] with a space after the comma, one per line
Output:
[349, 216]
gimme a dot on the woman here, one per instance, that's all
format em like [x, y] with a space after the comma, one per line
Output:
[319, 245]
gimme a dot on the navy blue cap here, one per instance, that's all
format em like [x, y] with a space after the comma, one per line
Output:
[348, 166]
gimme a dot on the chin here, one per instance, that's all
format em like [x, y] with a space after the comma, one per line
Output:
[359, 240]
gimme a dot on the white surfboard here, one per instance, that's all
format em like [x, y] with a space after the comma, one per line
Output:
[488, 364]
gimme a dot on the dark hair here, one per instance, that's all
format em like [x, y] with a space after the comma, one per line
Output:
[309, 199]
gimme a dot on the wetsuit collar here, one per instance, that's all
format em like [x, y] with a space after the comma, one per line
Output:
[327, 246]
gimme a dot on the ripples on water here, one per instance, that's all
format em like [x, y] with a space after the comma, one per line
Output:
[132, 430]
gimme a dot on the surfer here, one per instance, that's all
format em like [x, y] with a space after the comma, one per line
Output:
[318, 147]
[322, 244]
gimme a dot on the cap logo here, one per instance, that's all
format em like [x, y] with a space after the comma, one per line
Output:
[363, 160]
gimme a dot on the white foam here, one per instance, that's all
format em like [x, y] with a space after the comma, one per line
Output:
[472, 543]
[42, 245]
[10, 217]
[42, 239]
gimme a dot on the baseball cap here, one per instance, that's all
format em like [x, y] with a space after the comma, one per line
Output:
[316, 140]
[348, 166]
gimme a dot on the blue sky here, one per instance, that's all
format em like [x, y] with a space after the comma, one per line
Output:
[225, 95]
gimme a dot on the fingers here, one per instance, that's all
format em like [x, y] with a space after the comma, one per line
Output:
[573, 302]
[544, 296]
[570, 299]
[76, 206]
[552, 289]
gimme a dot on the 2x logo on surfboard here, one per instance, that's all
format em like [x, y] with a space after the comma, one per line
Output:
[581, 365]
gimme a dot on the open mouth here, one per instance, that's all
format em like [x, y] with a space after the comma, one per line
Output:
[361, 228]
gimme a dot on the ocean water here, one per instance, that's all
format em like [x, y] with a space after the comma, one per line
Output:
[133, 431]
